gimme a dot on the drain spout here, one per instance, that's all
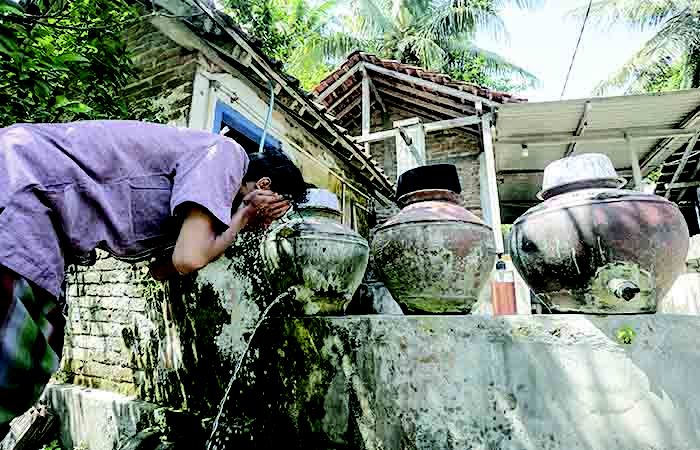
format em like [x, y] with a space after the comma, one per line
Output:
[623, 289]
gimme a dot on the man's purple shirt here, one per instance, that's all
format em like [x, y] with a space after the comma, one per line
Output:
[66, 189]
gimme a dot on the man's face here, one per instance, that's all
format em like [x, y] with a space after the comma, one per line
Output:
[246, 188]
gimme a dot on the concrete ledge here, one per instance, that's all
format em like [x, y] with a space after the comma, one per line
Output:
[101, 420]
[97, 419]
[514, 383]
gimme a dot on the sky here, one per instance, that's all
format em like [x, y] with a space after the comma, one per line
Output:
[542, 41]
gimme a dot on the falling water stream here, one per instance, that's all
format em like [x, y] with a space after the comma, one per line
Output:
[263, 316]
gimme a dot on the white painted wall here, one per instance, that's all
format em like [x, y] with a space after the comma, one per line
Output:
[410, 157]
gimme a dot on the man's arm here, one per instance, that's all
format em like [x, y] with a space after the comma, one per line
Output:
[198, 243]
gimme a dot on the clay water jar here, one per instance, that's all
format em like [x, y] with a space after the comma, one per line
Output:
[434, 256]
[314, 256]
[592, 247]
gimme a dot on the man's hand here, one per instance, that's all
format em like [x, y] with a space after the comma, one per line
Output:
[264, 206]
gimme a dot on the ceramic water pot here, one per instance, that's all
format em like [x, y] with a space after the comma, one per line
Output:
[311, 253]
[434, 256]
[591, 247]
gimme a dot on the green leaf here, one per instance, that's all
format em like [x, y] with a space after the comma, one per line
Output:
[78, 108]
[42, 89]
[72, 57]
[61, 101]
[7, 46]
[10, 8]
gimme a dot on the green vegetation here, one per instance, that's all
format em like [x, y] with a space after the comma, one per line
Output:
[54, 445]
[435, 34]
[64, 60]
[670, 59]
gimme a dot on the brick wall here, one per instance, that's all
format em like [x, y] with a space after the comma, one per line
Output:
[106, 303]
[450, 146]
[166, 74]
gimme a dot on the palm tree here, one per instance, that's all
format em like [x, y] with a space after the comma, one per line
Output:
[676, 44]
[435, 34]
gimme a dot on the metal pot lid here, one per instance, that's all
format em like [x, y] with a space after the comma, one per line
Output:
[581, 170]
[321, 198]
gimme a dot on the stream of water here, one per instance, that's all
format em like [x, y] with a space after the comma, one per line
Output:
[263, 316]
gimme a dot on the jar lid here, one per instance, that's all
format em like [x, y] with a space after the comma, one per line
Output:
[321, 198]
[582, 171]
[425, 178]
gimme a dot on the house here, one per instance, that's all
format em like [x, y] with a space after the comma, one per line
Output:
[159, 345]
[205, 76]
[132, 345]
[386, 104]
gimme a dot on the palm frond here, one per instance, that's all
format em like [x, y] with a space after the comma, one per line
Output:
[373, 17]
[638, 14]
[678, 35]
[494, 64]
[523, 4]
[451, 17]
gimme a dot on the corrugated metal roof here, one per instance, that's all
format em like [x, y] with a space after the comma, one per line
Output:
[530, 122]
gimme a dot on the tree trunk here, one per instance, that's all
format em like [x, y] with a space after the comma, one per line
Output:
[693, 67]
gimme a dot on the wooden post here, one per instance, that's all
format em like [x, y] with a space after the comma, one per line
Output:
[366, 117]
[636, 170]
[492, 187]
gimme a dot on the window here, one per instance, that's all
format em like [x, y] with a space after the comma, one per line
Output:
[360, 222]
[241, 130]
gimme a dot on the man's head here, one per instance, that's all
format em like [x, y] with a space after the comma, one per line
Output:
[273, 170]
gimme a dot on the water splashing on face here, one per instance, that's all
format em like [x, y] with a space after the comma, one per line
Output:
[263, 316]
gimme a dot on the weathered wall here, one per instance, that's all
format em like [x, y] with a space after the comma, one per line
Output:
[684, 296]
[172, 344]
[512, 383]
[449, 146]
[165, 74]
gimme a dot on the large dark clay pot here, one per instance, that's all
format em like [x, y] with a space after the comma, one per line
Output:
[588, 249]
[434, 256]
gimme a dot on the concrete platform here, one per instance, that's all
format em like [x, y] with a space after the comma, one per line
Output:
[94, 419]
[467, 382]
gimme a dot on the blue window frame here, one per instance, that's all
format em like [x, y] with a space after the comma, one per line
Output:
[224, 115]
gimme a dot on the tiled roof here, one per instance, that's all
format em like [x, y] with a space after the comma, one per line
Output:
[406, 69]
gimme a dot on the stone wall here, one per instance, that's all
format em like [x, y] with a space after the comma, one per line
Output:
[449, 146]
[509, 383]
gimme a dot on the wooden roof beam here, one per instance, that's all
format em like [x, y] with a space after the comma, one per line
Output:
[429, 84]
[330, 89]
[444, 101]
[424, 104]
[661, 151]
[402, 106]
[684, 160]
[580, 129]
[345, 96]
[373, 89]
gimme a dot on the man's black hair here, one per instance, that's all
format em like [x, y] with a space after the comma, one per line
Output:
[286, 177]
